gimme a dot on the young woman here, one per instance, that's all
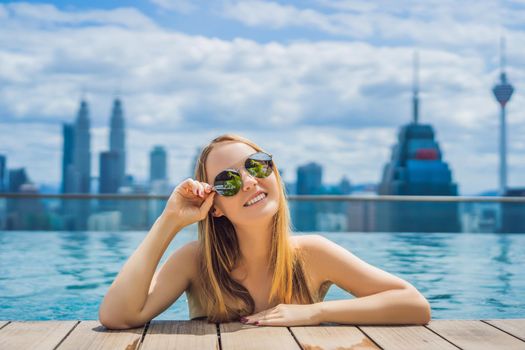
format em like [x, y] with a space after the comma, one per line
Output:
[245, 265]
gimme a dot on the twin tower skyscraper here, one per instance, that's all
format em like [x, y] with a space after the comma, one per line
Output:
[76, 160]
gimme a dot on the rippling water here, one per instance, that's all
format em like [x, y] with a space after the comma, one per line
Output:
[64, 275]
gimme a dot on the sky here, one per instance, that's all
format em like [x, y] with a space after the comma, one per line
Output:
[312, 80]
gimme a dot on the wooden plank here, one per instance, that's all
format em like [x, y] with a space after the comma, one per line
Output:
[92, 335]
[3, 323]
[405, 337]
[34, 334]
[472, 334]
[332, 337]
[181, 335]
[516, 327]
[238, 336]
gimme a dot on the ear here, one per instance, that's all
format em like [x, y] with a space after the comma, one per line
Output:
[216, 212]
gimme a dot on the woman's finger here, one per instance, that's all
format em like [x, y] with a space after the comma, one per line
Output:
[194, 187]
[200, 189]
[206, 205]
[277, 321]
[261, 315]
[207, 187]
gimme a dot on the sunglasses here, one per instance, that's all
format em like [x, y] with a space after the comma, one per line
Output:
[228, 182]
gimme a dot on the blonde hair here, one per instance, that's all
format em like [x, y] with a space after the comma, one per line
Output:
[225, 299]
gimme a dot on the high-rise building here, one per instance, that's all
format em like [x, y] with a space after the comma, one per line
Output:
[417, 168]
[309, 181]
[117, 139]
[17, 178]
[82, 149]
[81, 173]
[3, 161]
[109, 180]
[68, 169]
[157, 164]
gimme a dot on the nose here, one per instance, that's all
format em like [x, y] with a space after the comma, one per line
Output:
[247, 180]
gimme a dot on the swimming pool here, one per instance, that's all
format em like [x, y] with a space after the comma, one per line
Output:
[64, 275]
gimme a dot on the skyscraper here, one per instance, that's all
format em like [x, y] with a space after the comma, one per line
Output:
[503, 92]
[109, 181]
[309, 181]
[417, 168]
[157, 164]
[117, 140]
[3, 162]
[68, 170]
[81, 178]
[17, 178]
[82, 149]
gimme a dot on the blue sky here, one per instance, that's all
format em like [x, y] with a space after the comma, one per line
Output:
[318, 80]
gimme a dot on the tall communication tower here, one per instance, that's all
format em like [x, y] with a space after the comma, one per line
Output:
[503, 92]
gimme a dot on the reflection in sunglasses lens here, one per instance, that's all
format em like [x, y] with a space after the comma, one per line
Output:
[228, 183]
[259, 168]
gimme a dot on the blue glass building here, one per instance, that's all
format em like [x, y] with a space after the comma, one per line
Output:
[417, 167]
[158, 164]
[309, 181]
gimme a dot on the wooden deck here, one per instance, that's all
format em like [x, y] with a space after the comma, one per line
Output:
[438, 334]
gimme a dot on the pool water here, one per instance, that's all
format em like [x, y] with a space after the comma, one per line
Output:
[64, 275]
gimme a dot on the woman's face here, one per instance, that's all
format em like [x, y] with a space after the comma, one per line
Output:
[232, 154]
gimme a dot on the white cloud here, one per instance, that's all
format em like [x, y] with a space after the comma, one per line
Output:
[182, 6]
[274, 15]
[337, 102]
[477, 24]
[45, 14]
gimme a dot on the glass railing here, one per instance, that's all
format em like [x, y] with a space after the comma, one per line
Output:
[309, 213]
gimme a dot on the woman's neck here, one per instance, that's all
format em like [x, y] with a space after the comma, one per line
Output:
[255, 244]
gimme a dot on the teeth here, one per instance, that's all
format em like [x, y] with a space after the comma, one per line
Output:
[255, 200]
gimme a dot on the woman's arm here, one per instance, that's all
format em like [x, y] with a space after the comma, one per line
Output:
[382, 298]
[123, 304]
[133, 298]
[396, 306]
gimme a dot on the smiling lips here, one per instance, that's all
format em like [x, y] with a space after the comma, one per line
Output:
[256, 199]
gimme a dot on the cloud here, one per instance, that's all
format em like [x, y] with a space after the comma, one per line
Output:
[432, 23]
[182, 6]
[44, 15]
[274, 15]
[336, 101]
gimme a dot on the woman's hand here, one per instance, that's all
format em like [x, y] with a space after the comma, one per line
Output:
[286, 315]
[189, 202]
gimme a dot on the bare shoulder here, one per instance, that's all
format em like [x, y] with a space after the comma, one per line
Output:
[311, 243]
[191, 248]
[187, 255]
[313, 248]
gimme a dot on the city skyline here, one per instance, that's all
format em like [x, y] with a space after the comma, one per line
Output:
[330, 91]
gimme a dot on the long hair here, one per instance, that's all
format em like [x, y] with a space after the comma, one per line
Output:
[225, 299]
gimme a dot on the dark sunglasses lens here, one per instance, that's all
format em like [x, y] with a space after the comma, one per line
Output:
[259, 165]
[228, 183]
